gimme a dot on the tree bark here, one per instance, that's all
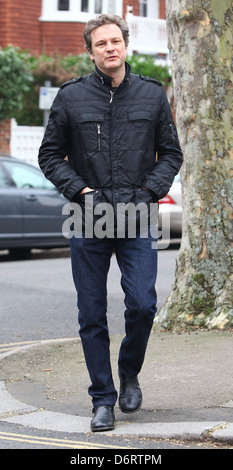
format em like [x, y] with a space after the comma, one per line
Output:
[200, 42]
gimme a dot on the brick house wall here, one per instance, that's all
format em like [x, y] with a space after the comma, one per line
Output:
[57, 37]
[4, 23]
[5, 135]
[19, 24]
[162, 9]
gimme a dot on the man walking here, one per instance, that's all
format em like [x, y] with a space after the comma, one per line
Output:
[118, 133]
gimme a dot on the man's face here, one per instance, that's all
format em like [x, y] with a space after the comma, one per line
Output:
[108, 48]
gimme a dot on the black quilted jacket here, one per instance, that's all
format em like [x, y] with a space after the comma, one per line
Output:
[116, 140]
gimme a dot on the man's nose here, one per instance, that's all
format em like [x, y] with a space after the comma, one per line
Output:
[110, 46]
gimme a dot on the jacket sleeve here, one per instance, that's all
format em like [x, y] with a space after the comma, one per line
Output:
[54, 149]
[169, 155]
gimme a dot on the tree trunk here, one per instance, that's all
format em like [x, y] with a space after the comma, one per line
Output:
[200, 41]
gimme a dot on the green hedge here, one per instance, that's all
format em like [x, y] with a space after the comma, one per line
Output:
[15, 81]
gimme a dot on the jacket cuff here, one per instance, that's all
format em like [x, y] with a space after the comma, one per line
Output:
[75, 198]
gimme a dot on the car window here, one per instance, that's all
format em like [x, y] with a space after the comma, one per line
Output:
[177, 178]
[27, 177]
[4, 182]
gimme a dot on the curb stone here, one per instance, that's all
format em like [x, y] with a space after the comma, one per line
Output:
[26, 415]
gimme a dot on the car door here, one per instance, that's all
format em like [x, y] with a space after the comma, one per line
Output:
[41, 203]
[11, 211]
[43, 212]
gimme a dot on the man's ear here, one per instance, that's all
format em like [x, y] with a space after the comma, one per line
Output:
[91, 57]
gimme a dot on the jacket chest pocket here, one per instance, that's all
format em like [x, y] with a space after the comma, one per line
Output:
[90, 130]
[140, 119]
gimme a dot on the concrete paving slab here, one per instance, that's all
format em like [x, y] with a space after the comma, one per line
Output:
[8, 404]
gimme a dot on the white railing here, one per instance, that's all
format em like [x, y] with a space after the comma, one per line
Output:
[147, 35]
[25, 142]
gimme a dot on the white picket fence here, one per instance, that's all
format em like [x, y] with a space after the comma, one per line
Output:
[25, 142]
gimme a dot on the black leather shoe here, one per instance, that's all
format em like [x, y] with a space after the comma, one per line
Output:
[103, 418]
[130, 397]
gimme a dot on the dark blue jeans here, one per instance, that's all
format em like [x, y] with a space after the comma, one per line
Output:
[90, 265]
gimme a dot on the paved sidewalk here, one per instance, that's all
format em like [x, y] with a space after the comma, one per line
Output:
[187, 385]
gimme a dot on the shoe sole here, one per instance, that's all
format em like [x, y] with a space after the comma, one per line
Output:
[103, 428]
[131, 411]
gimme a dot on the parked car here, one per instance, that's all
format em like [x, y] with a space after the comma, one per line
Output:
[170, 210]
[30, 208]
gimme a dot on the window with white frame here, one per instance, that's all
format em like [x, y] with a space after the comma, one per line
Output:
[143, 8]
[149, 8]
[78, 10]
[87, 5]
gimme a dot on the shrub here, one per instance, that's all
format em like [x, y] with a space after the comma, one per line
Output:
[145, 65]
[15, 79]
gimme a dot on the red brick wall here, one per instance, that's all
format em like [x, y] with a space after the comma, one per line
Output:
[4, 23]
[5, 135]
[19, 24]
[62, 38]
[162, 9]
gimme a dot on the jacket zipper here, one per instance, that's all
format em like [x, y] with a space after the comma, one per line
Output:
[98, 125]
[99, 136]
[111, 96]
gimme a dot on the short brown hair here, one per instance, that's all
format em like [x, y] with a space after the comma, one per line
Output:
[100, 20]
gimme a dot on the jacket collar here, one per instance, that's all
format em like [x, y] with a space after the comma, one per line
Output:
[106, 80]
